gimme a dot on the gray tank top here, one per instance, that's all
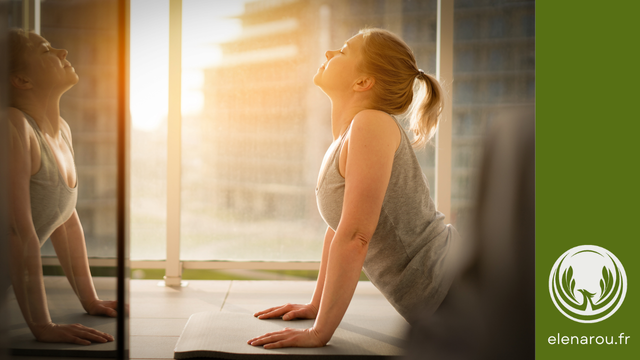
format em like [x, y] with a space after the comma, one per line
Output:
[407, 253]
[52, 200]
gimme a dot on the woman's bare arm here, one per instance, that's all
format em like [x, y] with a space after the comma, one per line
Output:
[322, 274]
[25, 263]
[310, 310]
[370, 151]
[69, 244]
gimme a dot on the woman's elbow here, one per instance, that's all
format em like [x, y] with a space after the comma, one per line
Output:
[361, 238]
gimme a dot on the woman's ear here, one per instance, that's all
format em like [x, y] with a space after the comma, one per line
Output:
[20, 82]
[364, 83]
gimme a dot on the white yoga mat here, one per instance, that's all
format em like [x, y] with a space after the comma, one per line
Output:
[224, 335]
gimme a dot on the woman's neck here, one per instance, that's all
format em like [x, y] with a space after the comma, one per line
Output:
[45, 110]
[343, 112]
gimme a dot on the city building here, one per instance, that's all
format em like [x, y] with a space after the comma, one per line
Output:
[87, 30]
[269, 125]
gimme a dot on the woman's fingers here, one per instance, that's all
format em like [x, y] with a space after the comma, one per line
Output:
[74, 334]
[101, 307]
[287, 338]
[111, 304]
[274, 312]
[110, 311]
[292, 315]
[263, 340]
[99, 333]
[90, 334]
[289, 312]
[280, 344]
[266, 311]
[268, 337]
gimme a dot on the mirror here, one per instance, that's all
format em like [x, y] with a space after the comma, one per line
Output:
[64, 104]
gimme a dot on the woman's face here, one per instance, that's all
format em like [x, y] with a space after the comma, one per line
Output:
[47, 67]
[339, 73]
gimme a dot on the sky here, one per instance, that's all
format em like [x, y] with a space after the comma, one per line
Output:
[205, 25]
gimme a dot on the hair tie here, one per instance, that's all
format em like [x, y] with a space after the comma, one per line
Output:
[420, 72]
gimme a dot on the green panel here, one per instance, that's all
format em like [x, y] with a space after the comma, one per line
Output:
[587, 129]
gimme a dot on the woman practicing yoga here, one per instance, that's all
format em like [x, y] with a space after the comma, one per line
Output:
[371, 191]
[44, 189]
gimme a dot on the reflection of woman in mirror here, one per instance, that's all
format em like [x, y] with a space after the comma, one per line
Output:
[45, 189]
[371, 190]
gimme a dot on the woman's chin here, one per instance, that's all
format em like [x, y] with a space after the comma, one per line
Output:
[74, 78]
[71, 83]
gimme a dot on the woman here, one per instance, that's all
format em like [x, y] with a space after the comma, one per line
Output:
[372, 192]
[45, 189]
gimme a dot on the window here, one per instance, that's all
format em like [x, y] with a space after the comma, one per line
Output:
[485, 85]
[89, 108]
[465, 61]
[149, 68]
[466, 29]
[496, 59]
[497, 27]
[254, 128]
[528, 22]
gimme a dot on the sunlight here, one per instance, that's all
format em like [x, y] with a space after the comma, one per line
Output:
[206, 24]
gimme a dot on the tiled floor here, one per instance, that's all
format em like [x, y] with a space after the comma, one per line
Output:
[158, 314]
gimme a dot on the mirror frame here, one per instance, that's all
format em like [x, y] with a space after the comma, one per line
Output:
[122, 217]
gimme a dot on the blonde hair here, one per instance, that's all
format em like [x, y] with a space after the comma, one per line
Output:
[19, 44]
[391, 63]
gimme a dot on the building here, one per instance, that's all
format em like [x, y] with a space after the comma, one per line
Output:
[88, 30]
[266, 123]
[270, 124]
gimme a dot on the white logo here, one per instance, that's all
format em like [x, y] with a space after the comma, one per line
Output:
[587, 284]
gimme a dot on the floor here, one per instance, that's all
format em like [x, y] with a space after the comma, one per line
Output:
[158, 314]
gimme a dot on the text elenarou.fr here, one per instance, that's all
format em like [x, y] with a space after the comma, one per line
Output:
[621, 339]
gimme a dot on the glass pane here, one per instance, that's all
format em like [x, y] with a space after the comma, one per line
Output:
[69, 52]
[149, 79]
[252, 150]
[88, 32]
[493, 69]
[419, 31]
[249, 169]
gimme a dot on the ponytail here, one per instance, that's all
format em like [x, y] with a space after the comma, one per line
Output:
[426, 109]
[391, 62]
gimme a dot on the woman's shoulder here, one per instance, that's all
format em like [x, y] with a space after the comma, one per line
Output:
[377, 116]
[376, 126]
[19, 124]
[16, 116]
[24, 148]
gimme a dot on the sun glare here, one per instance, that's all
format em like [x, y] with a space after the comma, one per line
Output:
[205, 25]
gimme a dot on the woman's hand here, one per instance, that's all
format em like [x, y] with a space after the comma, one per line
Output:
[73, 334]
[288, 338]
[289, 312]
[102, 308]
